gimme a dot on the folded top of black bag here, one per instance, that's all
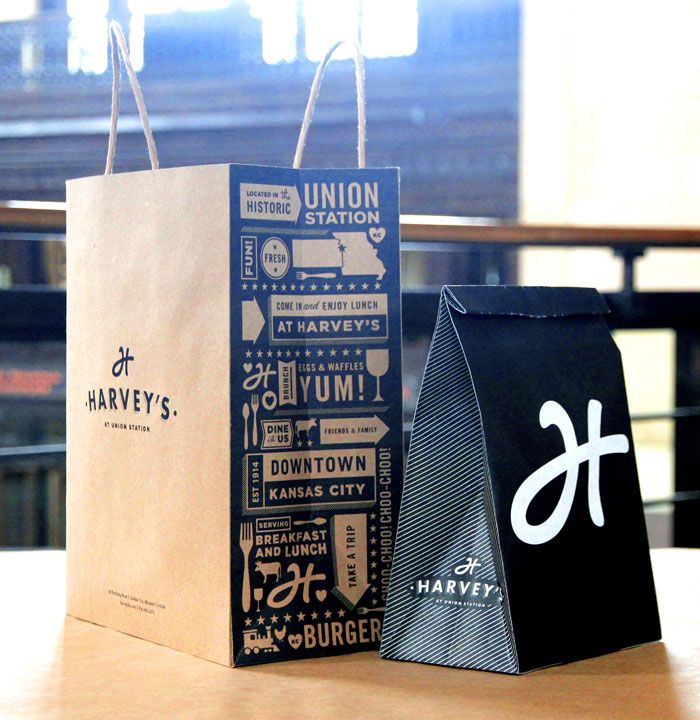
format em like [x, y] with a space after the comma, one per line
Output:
[525, 301]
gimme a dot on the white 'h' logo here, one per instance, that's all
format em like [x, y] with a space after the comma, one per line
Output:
[552, 413]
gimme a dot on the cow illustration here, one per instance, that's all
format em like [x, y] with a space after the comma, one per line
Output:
[268, 568]
[304, 426]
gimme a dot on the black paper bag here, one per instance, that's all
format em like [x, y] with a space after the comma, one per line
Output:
[521, 539]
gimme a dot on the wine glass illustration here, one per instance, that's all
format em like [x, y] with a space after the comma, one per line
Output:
[258, 595]
[377, 366]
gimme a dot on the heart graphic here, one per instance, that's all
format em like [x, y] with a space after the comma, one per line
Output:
[377, 234]
[247, 367]
[295, 641]
[321, 595]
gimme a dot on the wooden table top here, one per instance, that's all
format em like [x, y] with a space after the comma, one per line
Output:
[52, 667]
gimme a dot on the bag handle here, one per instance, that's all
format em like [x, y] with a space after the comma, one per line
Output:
[313, 96]
[120, 54]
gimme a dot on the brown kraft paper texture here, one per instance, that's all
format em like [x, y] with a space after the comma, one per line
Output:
[148, 434]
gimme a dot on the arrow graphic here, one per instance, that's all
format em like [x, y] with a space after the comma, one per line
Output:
[260, 201]
[347, 431]
[349, 533]
[253, 320]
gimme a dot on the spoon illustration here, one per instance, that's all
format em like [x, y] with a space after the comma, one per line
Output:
[246, 414]
[315, 521]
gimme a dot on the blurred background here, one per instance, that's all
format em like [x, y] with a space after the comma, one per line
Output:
[503, 115]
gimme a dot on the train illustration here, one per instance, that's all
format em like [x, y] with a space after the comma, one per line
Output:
[254, 641]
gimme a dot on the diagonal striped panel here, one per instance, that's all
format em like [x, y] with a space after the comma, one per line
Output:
[443, 520]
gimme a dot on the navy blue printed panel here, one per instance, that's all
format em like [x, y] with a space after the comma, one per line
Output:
[316, 451]
[446, 602]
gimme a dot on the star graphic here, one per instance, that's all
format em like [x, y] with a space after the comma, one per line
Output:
[248, 622]
[259, 353]
[269, 353]
[279, 353]
[313, 286]
[301, 287]
[373, 553]
[346, 352]
[288, 353]
[358, 351]
[374, 565]
[261, 620]
[333, 353]
[341, 248]
[299, 443]
[248, 353]
[373, 576]
[245, 286]
[300, 616]
[274, 286]
[307, 353]
[365, 286]
[284, 287]
[373, 516]
[264, 286]
[377, 286]
[372, 528]
[287, 617]
[274, 619]
[309, 443]
[374, 601]
[328, 614]
[255, 286]
[373, 541]
[351, 286]
[292, 287]
[341, 613]
[297, 353]
[339, 286]
[326, 286]
[374, 589]
[320, 353]
[314, 615]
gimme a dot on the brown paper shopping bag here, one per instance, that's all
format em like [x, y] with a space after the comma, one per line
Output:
[234, 402]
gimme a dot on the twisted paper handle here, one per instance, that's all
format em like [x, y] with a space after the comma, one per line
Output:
[118, 45]
[313, 96]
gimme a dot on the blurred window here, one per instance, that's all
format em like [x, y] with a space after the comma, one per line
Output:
[389, 28]
[154, 7]
[87, 36]
[18, 10]
[279, 29]
[385, 28]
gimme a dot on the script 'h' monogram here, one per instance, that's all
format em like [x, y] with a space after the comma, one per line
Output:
[552, 413]
[122, 363]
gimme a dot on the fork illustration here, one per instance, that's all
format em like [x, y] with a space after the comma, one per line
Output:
[365, 610]
[305, 275]
[255, 404]
[246, 545]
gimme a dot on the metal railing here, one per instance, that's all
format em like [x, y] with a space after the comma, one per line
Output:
[36, 313]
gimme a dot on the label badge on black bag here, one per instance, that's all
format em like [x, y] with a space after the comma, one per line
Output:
[463, 586]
